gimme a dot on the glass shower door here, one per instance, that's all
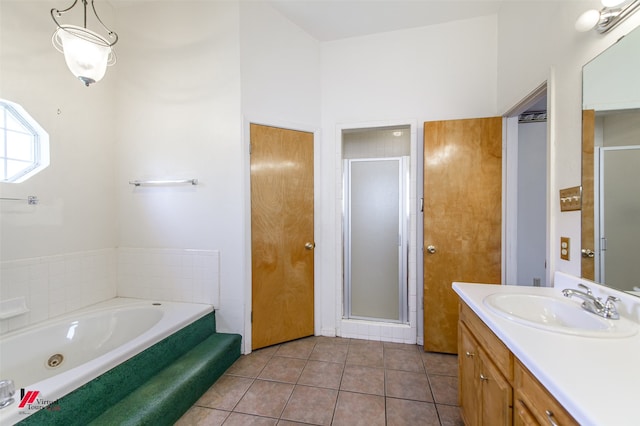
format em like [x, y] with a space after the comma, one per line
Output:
[376, 230]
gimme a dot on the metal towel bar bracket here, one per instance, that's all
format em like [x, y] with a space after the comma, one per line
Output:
[162, 182]
[32, 200]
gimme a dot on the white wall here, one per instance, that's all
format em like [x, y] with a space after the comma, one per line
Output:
[178, 117]
[57, 255]
[76, 210]
[439, 72]
[538, 42]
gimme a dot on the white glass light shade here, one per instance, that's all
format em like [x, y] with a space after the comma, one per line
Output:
[588, 20]
[86, 53]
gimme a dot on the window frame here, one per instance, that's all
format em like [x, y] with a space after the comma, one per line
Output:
[39, 142]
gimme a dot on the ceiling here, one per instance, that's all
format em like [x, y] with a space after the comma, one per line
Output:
[328, 20]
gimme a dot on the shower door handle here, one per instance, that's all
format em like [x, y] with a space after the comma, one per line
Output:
[431, 249]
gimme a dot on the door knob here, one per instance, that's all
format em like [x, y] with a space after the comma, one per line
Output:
[309, 246]
[588, 253]
[431, 249]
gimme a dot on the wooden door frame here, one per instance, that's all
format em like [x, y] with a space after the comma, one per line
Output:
[247, 284]
[510, 183]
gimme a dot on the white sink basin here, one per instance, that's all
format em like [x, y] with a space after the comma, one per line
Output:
[556, 314]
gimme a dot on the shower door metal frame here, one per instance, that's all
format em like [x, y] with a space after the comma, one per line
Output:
[403, 239]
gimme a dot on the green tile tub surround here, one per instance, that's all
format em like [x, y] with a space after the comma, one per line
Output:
[92, 399]
[168, 395]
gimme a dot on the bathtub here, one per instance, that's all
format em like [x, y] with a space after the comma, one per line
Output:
[60, 355]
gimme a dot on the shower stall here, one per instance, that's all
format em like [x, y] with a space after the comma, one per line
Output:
[376, 231]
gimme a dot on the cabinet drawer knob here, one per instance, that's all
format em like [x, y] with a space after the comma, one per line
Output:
[551, 418]
[469, 354]
[483, 377]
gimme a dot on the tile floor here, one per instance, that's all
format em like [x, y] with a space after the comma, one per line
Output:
[333, 381]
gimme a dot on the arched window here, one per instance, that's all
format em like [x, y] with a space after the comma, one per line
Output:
[24, 145]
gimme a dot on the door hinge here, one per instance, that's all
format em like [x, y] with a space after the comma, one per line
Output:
[252, 317]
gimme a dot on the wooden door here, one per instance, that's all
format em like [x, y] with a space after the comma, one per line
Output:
[462, 218]
[282, 238]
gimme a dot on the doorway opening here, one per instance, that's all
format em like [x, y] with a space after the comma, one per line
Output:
[526, 192]
[376, 223]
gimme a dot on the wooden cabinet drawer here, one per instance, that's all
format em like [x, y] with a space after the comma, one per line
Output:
[539, 402]
[500, 354]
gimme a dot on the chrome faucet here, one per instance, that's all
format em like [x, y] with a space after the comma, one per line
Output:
[7, 390]
[594, 304]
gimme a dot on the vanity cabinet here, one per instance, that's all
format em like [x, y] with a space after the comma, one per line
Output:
[486, 371]
[534, 404]
[494, 387]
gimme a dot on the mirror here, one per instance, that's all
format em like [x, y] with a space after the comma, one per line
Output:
[611, 166]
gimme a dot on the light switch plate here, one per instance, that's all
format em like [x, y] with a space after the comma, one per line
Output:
[564, 248]
[571, 199]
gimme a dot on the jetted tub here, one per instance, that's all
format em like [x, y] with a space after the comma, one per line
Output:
[60, 355]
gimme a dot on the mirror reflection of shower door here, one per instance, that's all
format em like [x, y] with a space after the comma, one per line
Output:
[619, 213]
[376, 239]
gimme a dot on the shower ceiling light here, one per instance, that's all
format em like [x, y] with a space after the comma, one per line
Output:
[608, 17]
[86, 52]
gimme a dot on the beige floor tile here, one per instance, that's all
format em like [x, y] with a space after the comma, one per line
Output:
[449, 415]
[403, 412]
[311, 405]
[282, 369]
[362, 379]
[368, 355]
[200, 416]
[401, 346]
[225, 392]
[265, 398]
[249, 365]
[445, 389]
[330, 352]
[441, 364]
[297, 349]
[407, 385]
[400, 359]
[240, 419]
[322, 374]
[296, 384]
[355, 409]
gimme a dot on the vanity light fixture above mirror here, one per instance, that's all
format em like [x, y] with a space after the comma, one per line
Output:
[612, 13]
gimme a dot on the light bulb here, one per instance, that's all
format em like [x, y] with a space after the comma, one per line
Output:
[588, 20]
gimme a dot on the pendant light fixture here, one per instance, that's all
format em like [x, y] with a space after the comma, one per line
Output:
[86, 52]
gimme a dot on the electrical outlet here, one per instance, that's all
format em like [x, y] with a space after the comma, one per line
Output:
[564, 248]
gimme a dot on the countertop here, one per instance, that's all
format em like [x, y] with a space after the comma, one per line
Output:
[597, 380]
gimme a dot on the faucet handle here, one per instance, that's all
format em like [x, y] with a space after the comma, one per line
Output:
[610, 310]
[609, 303]
[586, 289]
[7, 390]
